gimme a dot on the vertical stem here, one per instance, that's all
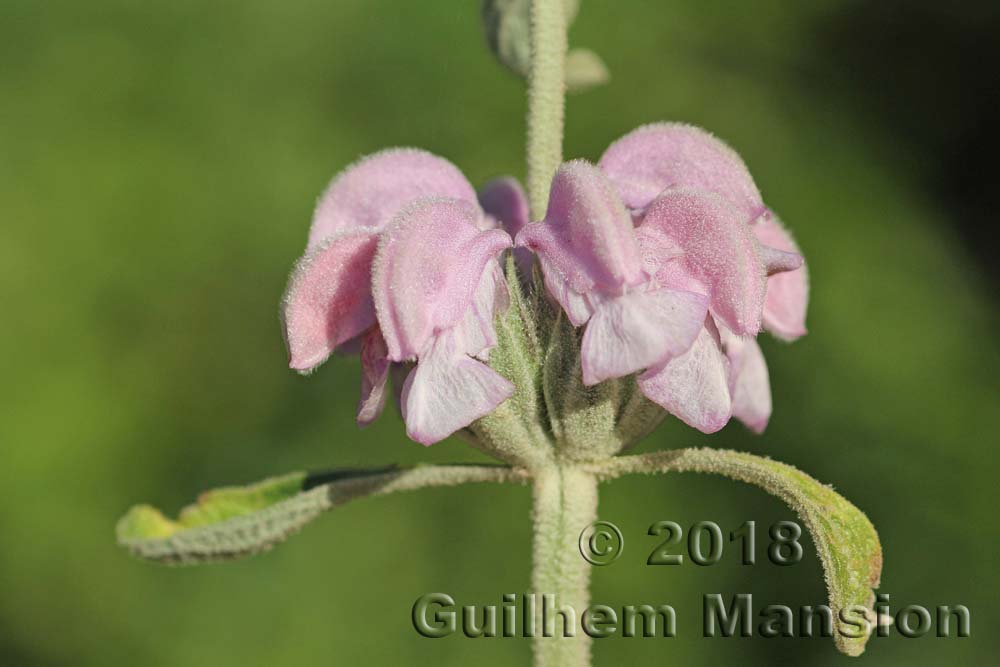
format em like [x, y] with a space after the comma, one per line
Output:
[565, 502]
[546, 89]
[565, 499]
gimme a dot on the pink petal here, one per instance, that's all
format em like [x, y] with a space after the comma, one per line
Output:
[751, 387]
[586, 240]
[638, 330]
[428, 267]
[652, 158]
[578, 306]
[694, 387]
[719, 249]
[787, 293]
[475, 334]
[328, 300]
[372, 190]
[504, 199]
[779, 261]
[448, 391]
[374, 375]
[663, 259]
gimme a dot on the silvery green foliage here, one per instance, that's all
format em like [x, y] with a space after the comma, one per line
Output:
[846, 542]
[233, 522]
[508, 31]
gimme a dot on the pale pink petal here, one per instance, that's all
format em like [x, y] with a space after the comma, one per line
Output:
[328, 300]
[749, 381]
[720, 250]
[787, 293]
[652, 158]
[694, 387]
[578, 306]
[663, 260]
[475, 334]
[638, 330]
[374, 375]
[429, 264]
[779, 261]
[504, 199]
[372, 190]
[587, 239]
[448, 391]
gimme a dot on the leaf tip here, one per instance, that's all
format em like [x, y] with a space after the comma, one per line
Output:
[144, 522]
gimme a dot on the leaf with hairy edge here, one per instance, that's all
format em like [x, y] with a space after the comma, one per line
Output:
[233, 522]
[847, 543]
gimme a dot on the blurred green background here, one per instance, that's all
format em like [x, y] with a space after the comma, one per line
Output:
[158, 166]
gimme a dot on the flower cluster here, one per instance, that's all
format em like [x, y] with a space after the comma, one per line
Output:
[664, 251]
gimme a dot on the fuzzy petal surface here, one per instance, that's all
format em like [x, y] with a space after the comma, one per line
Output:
[475, 334]
[374, 376]
[694, 387]
[787, 293]
[504, 200]
[372, 190]
[587, 239]
[779, 261]
[719, 250]
[428, 267]
[328, 300]
[638, 330]
[652, 158]
[750, 385]
[449, 390]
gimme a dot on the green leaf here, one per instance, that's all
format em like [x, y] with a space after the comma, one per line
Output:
[233, 522]
[845, 539]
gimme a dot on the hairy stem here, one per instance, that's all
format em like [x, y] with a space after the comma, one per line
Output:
[546, 89]
[565, 502]
[565, 498]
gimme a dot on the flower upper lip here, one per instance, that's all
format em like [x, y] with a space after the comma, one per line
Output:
[664, 250]
[400, 256]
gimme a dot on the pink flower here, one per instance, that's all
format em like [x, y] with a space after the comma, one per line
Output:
[669, 256]
[437, 287]
[430, 297]
[664, 252]
[591, 259]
